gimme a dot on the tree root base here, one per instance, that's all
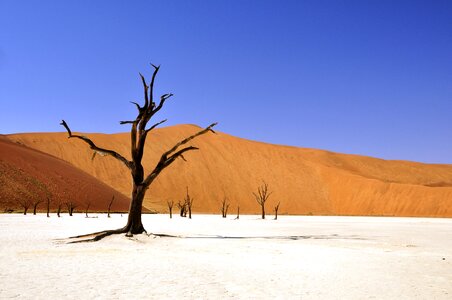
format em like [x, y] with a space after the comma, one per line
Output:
[97, 236]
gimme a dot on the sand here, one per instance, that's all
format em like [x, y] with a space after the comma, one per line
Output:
[216, 258]
[29, 174]
[305, 181]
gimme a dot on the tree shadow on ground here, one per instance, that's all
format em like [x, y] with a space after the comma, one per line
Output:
[276, 237]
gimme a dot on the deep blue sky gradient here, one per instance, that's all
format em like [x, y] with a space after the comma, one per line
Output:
[363, 77]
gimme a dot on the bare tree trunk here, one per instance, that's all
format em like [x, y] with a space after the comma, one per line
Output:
[59, 209]
[182, 209]
[276, 211]
[35, 206]
[134, 225]
[71, 208]
[189, 211]
[189, 203]
[170, 208]
[48, 207]
[87, 208]
[224, 207]
[110, 204]
[238, 213]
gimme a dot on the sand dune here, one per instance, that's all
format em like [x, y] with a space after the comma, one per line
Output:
[30, 174]
[305, 181]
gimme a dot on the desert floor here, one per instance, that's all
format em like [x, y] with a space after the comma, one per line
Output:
[292, 258]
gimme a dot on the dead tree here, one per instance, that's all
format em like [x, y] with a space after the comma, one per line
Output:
[262, 196]
[25, 205]
[224, 207]
[70, 207]
[182, 208]
[238, 212]
[88, 204]
[109, 205]
[138, 134]
[59, 208]
[189, 203]
[48, 207]
[170, 208]
[35, 206]
[276, 210]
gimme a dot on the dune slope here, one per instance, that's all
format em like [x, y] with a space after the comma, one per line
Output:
[28, 174]
[305, 181]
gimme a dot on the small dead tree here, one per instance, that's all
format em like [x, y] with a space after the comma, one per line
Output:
[262, 196]
[189, 203]
[170, 204]
[25, 205]
[35, 206]
[276, 210]
[138, 134]
[59, 208]
[224, 207]
[182, 208]
[109, 205]
[70, 207]
[48, 207]
[238, 212]
[88, 204]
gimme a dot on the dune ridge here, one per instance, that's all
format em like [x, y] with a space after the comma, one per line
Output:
[305, 181]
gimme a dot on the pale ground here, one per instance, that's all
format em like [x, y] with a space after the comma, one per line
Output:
[215, 258]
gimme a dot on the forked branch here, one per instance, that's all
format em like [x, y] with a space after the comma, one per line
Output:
[170, 156]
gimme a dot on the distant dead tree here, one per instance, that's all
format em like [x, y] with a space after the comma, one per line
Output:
[138, 135]
[170, 204]
[88, 204]
[35, 206]
[189, 203]
[59, 208]
[48, 207]
[25, 203]
[238, 212]
[109, 205]
[224, 207]
[262, 196]
[71, 207]
[276, 210]
[182, 208]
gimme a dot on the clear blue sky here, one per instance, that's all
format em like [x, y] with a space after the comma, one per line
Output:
[362, 77]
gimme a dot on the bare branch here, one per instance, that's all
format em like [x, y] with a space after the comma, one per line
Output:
[163, 98]
[145, 88]
[155, 125]
[126, 122]
[169, 156]
[151, 86]
[165, 162]
[96, 148]
[138, 106]
[205, 130]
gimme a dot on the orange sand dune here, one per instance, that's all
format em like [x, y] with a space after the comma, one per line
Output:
[30, 174]
[305, 181]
